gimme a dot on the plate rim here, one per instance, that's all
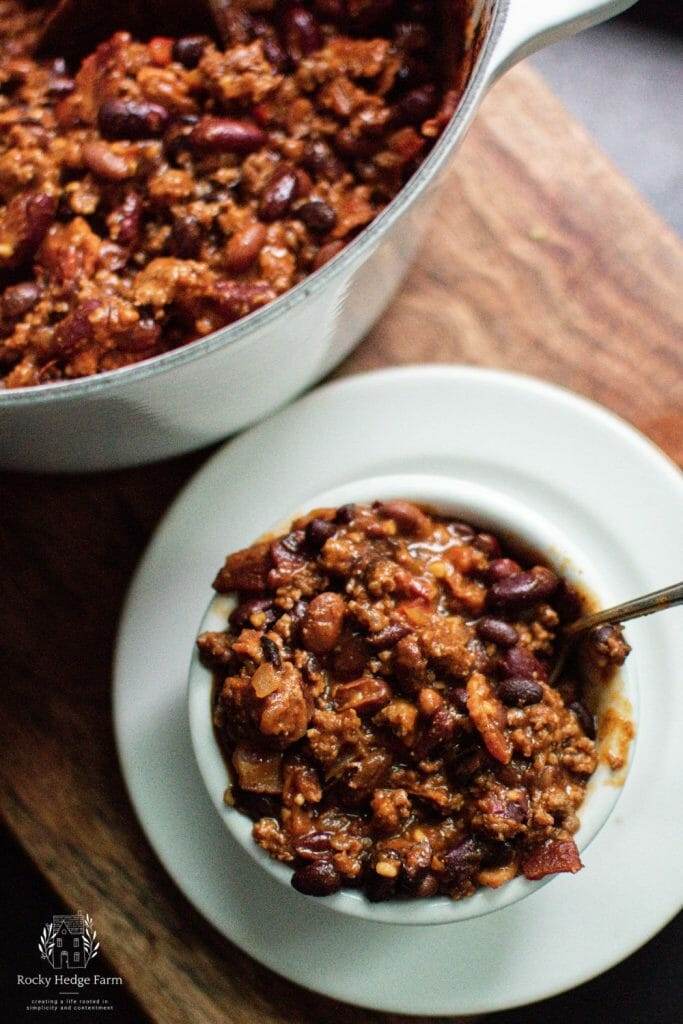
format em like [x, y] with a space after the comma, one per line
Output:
[437, 372]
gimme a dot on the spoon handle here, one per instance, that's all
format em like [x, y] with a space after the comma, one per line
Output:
[646, 605]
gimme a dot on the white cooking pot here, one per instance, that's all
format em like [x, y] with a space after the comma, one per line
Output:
[194, 395]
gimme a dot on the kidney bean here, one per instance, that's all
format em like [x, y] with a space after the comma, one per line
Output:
[518, 692]
[322, 623]
[411, 36]
[497, 631]
[416, 106]
[520, 661]
[439, 730]
[132, 119]
[408, 517]
[330, 10]
[240, 617]
[351, 656]
[319, 878]
[23, 226]
[586, 719]
[318, 531]
[105, 163]
[524, 589]
[459, 694]
[313, 846]
[186, 237]
[319, 159]
[389, 636]
[188, 50]
[226, 135]
[274, 53]
[279, 193]
[318, 216]
[244, 247]
[76, 328]
[301, 31]
[487, 543]
[355, 146]
[326, 253]
[462, 860]
[500, 568]
[464, 765]
[177, 138]
[18, 299]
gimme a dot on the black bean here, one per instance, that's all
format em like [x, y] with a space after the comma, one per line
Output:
[524, 589]
[240, 617]
[416, 105]
[518, 692]
[497, 631]
[279, 194]
[131, 119]
[377, 887]
[346, 514]
[317, 216]
[271, 651]
[318, 531]
[462, 860]
[319, 159]
[586, 719]
[319, 878]
[188, 50]
[496, 853]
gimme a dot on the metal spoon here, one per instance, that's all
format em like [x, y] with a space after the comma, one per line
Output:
[646, 605]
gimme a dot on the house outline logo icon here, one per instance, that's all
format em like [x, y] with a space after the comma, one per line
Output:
[69, 942]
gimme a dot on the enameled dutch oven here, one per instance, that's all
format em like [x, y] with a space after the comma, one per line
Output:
[194, 395]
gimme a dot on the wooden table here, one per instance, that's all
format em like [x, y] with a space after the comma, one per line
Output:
[543, 259]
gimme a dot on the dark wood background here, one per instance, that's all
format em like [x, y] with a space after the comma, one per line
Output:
[542, 259]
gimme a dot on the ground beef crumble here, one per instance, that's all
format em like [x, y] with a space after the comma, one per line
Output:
[382, 699]
[168, 187]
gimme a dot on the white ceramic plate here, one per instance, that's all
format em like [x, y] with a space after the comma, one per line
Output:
[577, 465]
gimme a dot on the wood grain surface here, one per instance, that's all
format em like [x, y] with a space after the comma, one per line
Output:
[543, 259]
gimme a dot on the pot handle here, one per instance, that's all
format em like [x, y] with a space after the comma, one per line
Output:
[532, 24]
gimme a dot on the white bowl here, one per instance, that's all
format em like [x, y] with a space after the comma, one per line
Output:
[489, 509]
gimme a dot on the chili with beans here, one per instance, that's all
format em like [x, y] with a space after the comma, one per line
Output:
[382, 699]
[171, 187]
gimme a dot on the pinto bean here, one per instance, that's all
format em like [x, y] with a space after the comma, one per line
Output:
[365, 695]
[323, 621]
[319, 878]
[524, 589]
[99, 158]
[226, 135]
[132, 119]
[244, 247]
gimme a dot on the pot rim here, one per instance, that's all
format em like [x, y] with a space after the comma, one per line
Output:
[238, 331]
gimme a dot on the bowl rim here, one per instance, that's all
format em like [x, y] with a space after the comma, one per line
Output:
[488, 508]
[239, 331]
